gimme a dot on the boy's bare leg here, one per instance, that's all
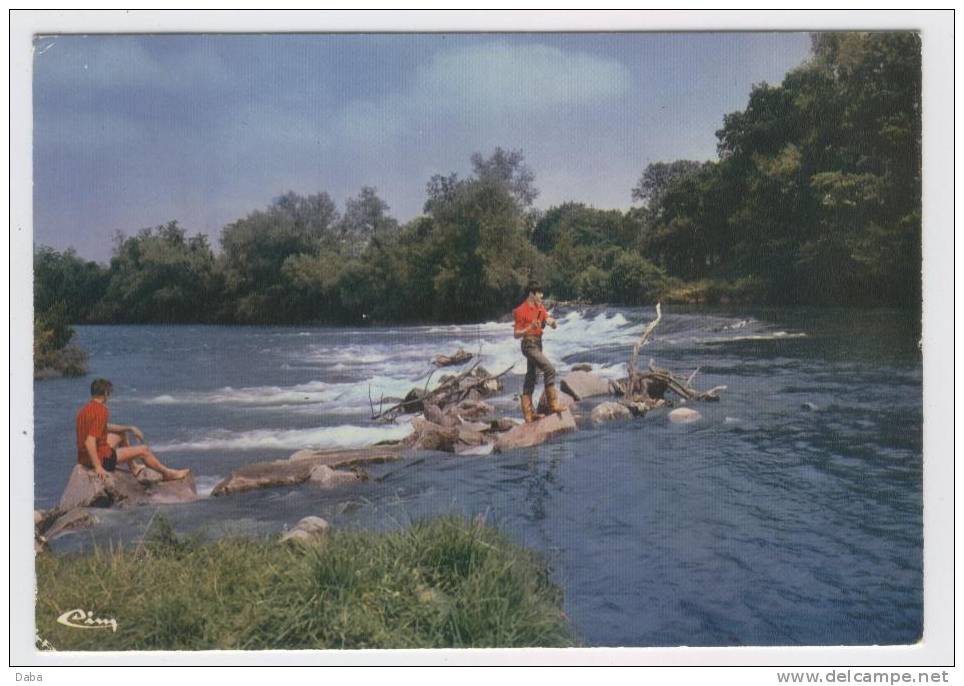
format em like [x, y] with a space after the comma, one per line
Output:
[120, 440]
[144, 453]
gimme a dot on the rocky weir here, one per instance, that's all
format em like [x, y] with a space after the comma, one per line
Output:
[453, 417]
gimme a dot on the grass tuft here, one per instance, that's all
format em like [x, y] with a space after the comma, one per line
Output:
[444, 583]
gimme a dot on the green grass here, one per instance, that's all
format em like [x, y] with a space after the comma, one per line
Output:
[445, 583]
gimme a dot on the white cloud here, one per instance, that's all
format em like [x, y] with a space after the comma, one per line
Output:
[519, 78]
[491, 87]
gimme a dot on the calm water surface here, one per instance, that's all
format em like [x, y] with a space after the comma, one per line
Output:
[764, 523]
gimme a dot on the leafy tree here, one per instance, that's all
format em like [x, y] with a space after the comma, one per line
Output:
[161, 275]
[658, 177]
[508, 168]
[64, 279]
[635, 280]
[817, 190]
[256, 248]
[440, 188]
[484, 257]
[366, 219]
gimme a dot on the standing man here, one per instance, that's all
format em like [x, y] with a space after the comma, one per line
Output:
[531, 319]
[101, 446]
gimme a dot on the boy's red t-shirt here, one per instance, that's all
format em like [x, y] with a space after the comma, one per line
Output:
[92, 421]
[527, 313]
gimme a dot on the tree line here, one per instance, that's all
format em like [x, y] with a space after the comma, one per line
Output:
[815, 198]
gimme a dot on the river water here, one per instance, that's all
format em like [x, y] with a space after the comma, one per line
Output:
[790, 514]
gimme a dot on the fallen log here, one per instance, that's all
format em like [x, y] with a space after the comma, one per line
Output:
[302, 467]
[459, 357]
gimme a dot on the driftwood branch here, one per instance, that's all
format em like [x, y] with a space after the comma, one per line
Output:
[449, 391]
[652, 384]
[634, 358]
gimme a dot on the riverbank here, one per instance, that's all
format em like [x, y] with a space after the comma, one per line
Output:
[444, 583]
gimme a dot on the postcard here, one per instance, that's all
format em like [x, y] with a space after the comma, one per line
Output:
[448, 335]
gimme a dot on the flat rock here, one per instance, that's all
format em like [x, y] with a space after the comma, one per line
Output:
[324, 476]
[585, 385]
[308, 530]
[534, 433]
[581, 367]
[431, 436]
[121, 489]
[347, 458]
[297, 468]
[608, 411]
[684, 415]
[74, 520]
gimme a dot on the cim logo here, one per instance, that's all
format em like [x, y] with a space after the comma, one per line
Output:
[81, 619]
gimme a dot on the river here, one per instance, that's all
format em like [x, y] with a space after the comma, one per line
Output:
[790, 514]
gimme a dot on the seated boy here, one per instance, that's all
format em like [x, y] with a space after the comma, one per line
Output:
[101, 445]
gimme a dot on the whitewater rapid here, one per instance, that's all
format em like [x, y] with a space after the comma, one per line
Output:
[348, 380]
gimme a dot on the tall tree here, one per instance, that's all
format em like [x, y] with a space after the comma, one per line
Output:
[508, 168]
[366, 219]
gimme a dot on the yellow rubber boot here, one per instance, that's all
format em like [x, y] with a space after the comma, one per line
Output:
[553, 397]
[528, 410]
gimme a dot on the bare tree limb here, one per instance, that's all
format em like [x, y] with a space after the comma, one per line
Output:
[634, 358]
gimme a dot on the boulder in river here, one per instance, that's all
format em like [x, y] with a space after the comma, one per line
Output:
[310, 530]
[323, 476]
[582, 385]
[534, 433]
[431, 436]
[121, 489]
[684, 415]
[470, 409]
[450, 439]
[581, 367]
[608, 411]
[435, 415]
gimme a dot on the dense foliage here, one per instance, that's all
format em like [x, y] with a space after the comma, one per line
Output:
[815, 198]
[817, 192]
[65, 289]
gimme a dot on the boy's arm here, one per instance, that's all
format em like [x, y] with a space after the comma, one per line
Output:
[124, 428]
[521, 329]
[91, 444]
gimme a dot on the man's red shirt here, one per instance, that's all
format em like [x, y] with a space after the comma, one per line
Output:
[92, 421]
[527, 313]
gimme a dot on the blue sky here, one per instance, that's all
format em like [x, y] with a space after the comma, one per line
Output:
[133, 131]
